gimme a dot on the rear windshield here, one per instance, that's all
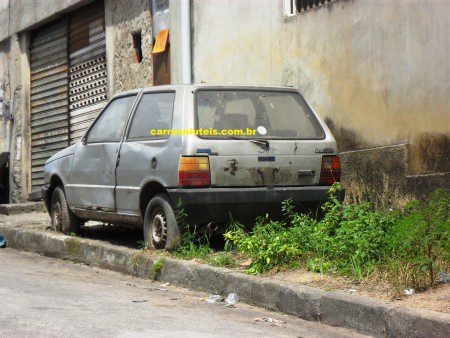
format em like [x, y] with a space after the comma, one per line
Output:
[273, 114]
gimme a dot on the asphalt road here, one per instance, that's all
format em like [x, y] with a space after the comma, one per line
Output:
[41, 296]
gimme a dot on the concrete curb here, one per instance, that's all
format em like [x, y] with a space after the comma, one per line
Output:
[21, 208]
[332, 308]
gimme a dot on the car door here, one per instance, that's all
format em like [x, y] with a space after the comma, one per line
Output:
[145, 157]
[95, 158]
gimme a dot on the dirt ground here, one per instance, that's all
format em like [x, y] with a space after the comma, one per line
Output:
[437, 298]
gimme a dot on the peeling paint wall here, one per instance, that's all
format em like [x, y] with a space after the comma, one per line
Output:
[378, 68]
[123, 18]
[5, 94]
[17, 66]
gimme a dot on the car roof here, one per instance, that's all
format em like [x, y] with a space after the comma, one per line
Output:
[202, 86]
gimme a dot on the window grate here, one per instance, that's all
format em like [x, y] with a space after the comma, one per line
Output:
[300, 6]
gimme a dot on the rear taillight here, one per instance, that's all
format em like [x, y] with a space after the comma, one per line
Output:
[331, 170]
[194, 172]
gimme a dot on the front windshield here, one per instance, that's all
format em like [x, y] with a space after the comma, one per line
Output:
[272, 114]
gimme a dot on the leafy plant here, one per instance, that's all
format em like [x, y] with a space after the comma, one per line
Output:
[143, 245]
[353, 240]
[157, 267]
[270, 244]
[419, 243]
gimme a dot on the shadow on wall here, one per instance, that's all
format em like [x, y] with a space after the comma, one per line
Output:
[347, 139]
[429, 153]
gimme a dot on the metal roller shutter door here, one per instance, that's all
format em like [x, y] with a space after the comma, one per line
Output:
[88, 83]
[49, 96]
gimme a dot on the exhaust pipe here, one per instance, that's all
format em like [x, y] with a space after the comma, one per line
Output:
[208, 229]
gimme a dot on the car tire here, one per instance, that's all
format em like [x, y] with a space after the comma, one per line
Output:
[62, 219]
[160, 225]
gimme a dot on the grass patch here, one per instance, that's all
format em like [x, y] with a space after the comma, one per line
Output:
[135, 261]
[222, 259]
[193, 245]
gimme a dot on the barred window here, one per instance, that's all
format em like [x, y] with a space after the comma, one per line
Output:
[300, 6]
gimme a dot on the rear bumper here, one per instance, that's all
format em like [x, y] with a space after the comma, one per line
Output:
[216, 204]
[250, 195]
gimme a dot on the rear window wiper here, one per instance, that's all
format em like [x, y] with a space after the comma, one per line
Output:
[263, 143]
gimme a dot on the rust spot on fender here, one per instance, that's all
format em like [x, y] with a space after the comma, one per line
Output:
[232, 167]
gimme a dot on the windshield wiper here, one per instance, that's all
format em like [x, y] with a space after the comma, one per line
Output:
[263, 143]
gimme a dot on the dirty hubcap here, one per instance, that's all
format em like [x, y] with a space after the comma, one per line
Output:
[159, 228]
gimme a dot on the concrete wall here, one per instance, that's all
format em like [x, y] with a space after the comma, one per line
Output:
[175, 41]
[377, 71]
[123, 18]
[5, 94]
[19, 15]
[237, 41]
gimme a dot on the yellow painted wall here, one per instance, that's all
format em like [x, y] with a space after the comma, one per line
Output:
[378, 70]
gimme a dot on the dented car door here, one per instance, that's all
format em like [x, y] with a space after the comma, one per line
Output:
[95, 158]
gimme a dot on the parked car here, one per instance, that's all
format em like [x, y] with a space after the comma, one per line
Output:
[122, 171]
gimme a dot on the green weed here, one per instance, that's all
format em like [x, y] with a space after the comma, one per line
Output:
[192, 244]
[353, 240]
[157, 267]
[223, 259]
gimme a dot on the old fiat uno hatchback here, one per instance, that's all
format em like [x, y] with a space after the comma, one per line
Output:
[219, 150]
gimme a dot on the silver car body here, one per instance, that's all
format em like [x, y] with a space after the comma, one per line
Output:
[106, 181]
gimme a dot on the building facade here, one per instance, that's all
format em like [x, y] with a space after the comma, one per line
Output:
[376, 70]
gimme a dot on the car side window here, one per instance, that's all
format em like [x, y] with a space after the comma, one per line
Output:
[153, 113]
[109, 126]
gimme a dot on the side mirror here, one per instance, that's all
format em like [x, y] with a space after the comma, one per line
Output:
[83, 141]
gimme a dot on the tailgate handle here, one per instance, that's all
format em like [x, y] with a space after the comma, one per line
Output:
[306, 172]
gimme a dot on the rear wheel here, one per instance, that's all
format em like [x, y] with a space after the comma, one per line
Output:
[63, 220]
[160, 225]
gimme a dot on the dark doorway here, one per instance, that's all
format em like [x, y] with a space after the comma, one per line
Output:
[4, 178]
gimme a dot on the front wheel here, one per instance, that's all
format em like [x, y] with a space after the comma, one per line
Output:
[160, 225]
[63, 220]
